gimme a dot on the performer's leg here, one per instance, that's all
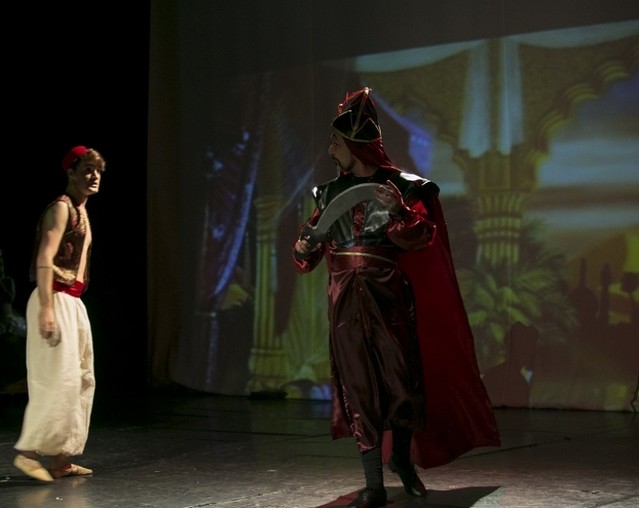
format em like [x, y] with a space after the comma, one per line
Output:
[373, 470]
[374, 495]
[28, 459]
[400, 462]
[401, 446]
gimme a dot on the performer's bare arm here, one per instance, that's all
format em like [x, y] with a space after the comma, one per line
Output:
[53, 225]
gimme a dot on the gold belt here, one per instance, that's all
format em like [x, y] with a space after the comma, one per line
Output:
[366, 254]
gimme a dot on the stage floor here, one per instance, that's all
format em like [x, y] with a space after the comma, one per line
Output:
[183, 449]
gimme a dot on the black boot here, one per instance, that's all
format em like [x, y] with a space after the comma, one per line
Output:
[412, 484]
[369, 498]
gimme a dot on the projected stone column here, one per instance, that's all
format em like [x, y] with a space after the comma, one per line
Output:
[500, 187]
[267, 362]
[499, 227]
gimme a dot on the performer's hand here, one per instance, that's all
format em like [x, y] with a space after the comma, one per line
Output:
[390, 197]
[303, 246]
[49, 329]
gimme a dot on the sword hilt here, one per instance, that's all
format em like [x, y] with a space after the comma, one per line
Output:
[311, 235]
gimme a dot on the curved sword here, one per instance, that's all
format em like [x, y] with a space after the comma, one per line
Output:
[338, 206]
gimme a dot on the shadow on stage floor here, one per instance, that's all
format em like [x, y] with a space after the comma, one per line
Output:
[179, 449]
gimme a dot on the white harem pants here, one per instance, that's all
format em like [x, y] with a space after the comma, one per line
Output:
[61, 380]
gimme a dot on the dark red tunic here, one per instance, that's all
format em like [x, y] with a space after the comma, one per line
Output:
[401, 349]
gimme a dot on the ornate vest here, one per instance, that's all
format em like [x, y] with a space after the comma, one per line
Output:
[67, 260]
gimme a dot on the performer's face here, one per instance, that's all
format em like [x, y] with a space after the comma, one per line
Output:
[86, 177]
[341, 155]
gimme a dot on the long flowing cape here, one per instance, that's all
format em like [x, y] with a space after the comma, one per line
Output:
[459, 414]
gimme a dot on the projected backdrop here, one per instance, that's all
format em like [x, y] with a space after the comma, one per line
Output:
[534, 142]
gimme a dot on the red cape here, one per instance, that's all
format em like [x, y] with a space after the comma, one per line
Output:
[459, 414]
